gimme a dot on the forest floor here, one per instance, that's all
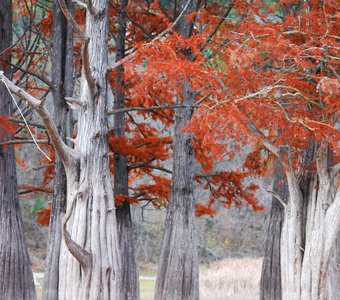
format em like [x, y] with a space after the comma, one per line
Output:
[228, 279]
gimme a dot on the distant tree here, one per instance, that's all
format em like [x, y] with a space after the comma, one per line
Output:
[177, 275]
[130, 278]
[282, 96]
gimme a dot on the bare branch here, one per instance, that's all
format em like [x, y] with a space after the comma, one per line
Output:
[80, 3]
[87, 70]
[145, 165]
[151, 108]
[66, 153]
[40, 77]
[14, 120]
[277, 197]
[174, 24]
[72, 21]
[15, 142]
[90, 7]
[147, 33]
[201, 175]
[80, 254]
[225, 15]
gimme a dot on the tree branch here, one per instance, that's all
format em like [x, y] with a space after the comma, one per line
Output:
[16, 142]
[40, 77]
[14, 120]
[87, 70]
[145, 165]
[158, 37]
[72, 21]
[147, 33]
[277, 197]
[151, 108]
[225, 15]
[81, 255]
[65, 152]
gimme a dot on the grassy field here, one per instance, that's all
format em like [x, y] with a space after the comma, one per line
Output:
[234, 279]
[228, 279]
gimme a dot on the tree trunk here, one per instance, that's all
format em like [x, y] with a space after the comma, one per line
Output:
[177, 275]
[270, 287]
[322, 228]
[130, 280]
[291, 243]
[333, 276]
[90, 266]
[305, 266]
[62, 81]
[16, 279]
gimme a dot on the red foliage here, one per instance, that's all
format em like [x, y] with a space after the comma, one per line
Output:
[204, 210]
[43, 216]
[261, 79]
[7, 127]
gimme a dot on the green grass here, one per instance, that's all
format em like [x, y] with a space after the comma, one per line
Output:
[147, 288]
[39, 287]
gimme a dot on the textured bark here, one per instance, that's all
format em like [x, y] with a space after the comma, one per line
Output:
[333, 275]
[16, 279]
[291, 242]
[322, 228]
[62, 86]
[270, 287]
[90, 266]
[177, 276]
[307, 242]
[130, 282]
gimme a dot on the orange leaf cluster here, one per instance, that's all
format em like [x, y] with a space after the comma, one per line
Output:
[43, 216]
[7, 127]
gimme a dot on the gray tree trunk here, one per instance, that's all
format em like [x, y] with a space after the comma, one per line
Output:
[130, 279]
[270, 286]
[62, 81]
[16, 279]
[90, 263]
[333, 275]
[177, 276]
[306, 258]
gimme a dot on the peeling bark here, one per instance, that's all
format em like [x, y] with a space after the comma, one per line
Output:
[92, 225]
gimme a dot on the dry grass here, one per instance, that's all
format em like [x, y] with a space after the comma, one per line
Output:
[234, 279]
[228, 279]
